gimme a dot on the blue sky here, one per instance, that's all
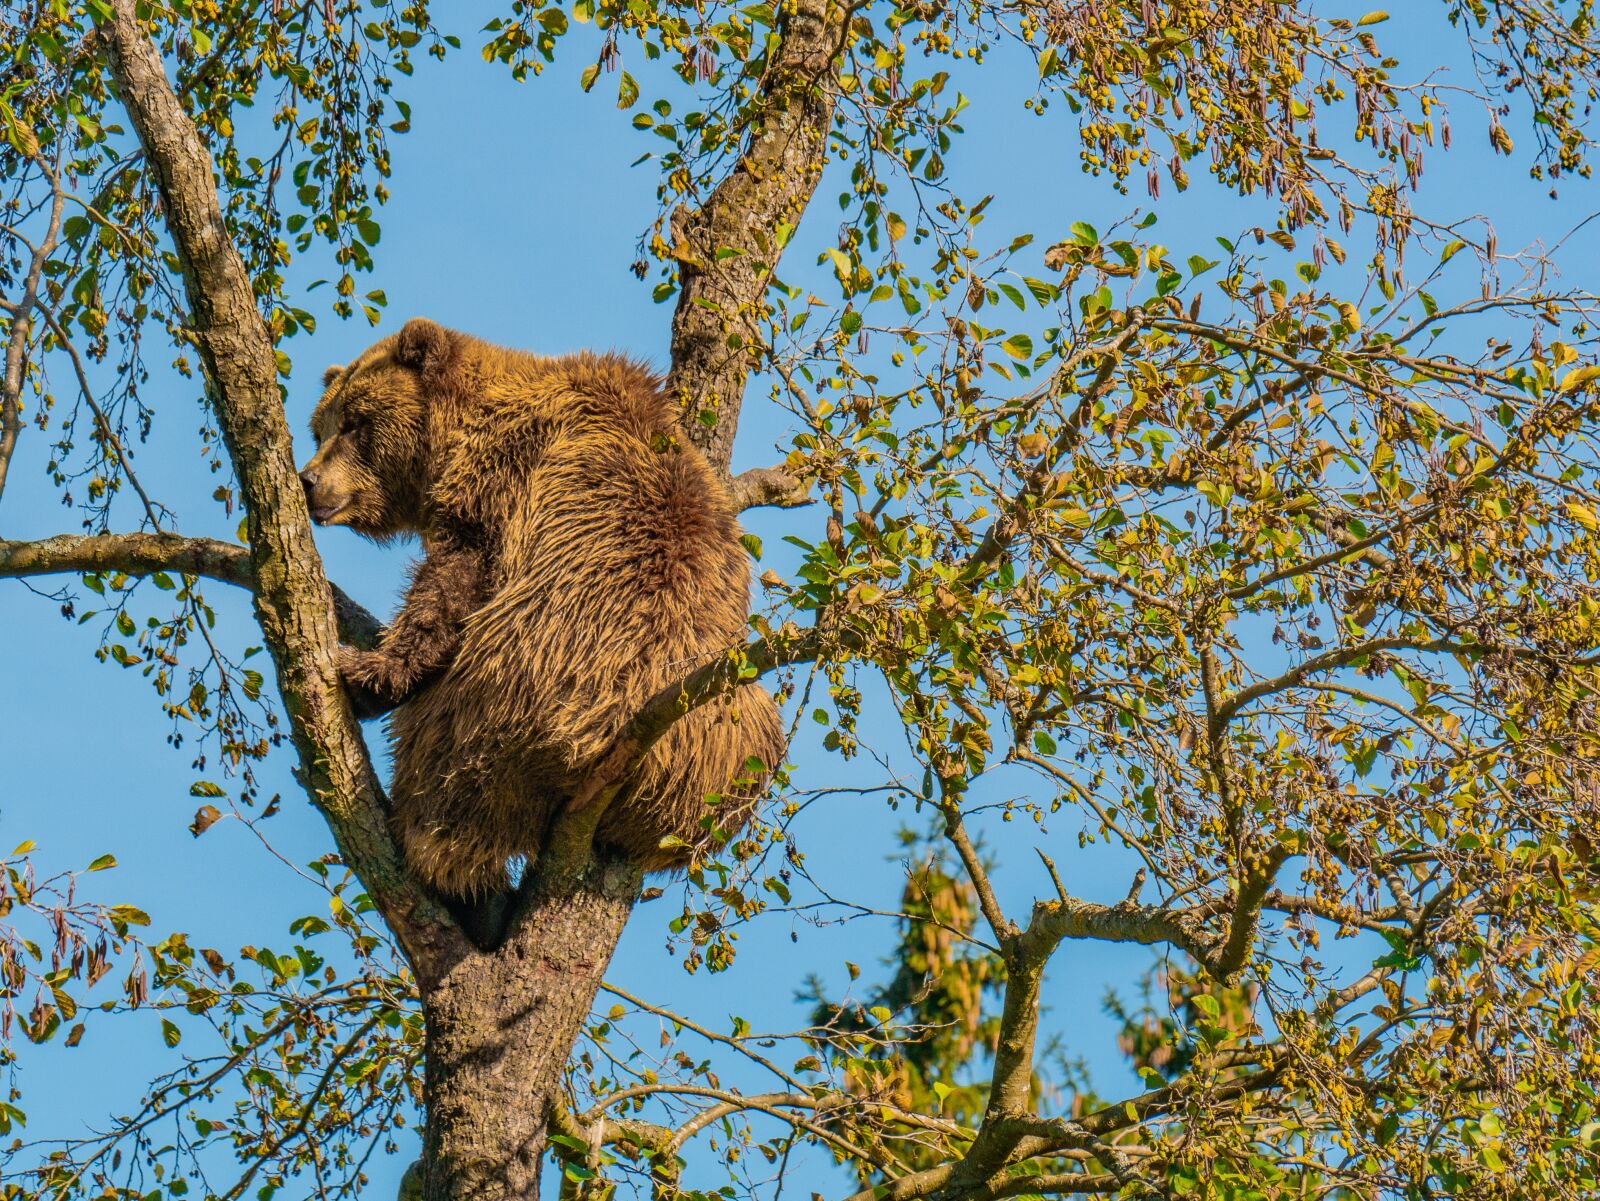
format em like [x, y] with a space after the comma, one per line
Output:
[515, 217]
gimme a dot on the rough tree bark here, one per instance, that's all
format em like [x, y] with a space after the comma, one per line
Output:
[500, 1024]
[293, 601]
[768, 189]
[500, 1028]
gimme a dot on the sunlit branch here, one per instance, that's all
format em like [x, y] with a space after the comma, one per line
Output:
[21, 316]
[774, 1105]
[144, 554]
[956, 831]
[1352, 548]
[1127, 921]
[1013, 517]
[1332, 660]
[709, 1035]
[1258, 868]
[1382, 702]
[1022, 754]
[768, 486]
[1330, 911]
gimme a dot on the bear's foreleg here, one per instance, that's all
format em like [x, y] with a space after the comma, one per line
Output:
[447, 587]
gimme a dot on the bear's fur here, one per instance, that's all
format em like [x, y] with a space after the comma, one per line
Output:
[579, 558]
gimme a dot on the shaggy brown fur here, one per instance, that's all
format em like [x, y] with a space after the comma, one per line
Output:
[579, 559]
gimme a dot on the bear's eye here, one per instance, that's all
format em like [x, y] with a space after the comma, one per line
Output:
[351, 423]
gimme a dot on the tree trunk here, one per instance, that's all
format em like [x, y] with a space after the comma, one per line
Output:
[500, 1029]
[501, 1025]
[770, 186]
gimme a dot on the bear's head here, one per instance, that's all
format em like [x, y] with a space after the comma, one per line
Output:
[372, 468]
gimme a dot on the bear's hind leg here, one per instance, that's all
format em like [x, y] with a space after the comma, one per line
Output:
[455, 857]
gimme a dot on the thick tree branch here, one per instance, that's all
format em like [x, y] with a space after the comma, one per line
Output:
[1003, 1138]
[293, 602]
[767, 190]
[144, 554]
[768, 486]
[1127, 921]
[133, 554]
[738, 665]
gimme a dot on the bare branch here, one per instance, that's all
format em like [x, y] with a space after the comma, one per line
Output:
[1339, 656]
[21, 314]
[709, 1035]
[144, 554]
[768, 486]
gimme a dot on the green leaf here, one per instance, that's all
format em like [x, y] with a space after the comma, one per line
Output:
[170, 1034]
[1042, 292]
[627, 91]
[1018, 346]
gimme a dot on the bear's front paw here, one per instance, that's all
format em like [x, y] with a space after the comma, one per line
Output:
[371, 680]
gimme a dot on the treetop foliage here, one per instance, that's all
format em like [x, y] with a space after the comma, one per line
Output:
[1272, 563]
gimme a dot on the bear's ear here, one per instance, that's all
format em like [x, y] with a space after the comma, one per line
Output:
[331, 374]
[424, 345]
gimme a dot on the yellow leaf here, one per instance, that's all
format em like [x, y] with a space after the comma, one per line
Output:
[1579, 377]
[1583, 515]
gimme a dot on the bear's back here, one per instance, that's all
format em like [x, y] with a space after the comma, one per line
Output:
[501, 413]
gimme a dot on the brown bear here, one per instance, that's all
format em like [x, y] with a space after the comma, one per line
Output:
[579, 558]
